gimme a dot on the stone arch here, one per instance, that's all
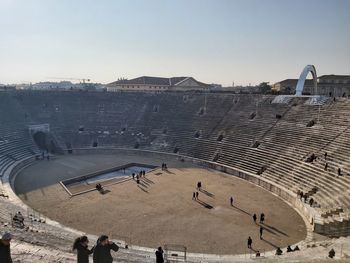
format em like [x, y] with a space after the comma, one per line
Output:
[40, 139]
[300, 85]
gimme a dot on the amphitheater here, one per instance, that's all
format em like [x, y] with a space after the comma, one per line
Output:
[261, 149]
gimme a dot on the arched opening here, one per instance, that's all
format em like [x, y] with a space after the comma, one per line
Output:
[40, 139]
[300, 85]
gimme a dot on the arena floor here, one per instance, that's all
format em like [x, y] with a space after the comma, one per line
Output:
[160, 210]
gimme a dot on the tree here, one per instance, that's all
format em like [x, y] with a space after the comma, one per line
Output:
[264, 87]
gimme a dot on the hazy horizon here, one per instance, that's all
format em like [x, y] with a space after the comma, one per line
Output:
[245, 41]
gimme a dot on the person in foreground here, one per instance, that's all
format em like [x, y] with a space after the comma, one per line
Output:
[5, 251]
[159, 255]
[81, 245]
[102, 250]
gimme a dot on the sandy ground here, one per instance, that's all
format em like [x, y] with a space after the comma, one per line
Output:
[160, 210]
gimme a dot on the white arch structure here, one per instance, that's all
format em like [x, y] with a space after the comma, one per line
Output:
[300, 85]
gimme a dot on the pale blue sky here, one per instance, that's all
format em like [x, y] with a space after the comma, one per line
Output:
[215, 41]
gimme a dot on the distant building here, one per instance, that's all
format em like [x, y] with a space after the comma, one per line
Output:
[215, 87]
[334, 85]
[157, 84]
[7, 87]
[288, 86]
[244, 89]
[63, 85]
[48, 85]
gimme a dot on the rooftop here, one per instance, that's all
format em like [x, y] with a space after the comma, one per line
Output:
[157, 81]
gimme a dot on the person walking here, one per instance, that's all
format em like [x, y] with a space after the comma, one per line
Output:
[5, 248]
[261, 232]
[159, 255]
[81, 246]
[102, 251]
[250, 242]
[231, 201]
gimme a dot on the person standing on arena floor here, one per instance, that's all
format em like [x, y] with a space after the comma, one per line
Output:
[250, 242]
[5, 248]
[102, 251]
[254, 218]
[197, 194]
[262, 218]
[81, 246]
[194, 196]
[159, 255]
[231, 201]
[261, 232]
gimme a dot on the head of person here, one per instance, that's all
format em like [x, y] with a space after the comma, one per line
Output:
[6, 239]
[83, 240]
[103, 240]
[160, 249]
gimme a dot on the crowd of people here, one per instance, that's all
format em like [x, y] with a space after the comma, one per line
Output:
[101, 251]
[99, 187]
[18, 220]
[138, 176]
[195, 196]
[164, 166]
[305, 197]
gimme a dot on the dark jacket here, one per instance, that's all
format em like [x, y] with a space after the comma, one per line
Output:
[83, 253]
[102, 254]
[159, 257]
[5, 253]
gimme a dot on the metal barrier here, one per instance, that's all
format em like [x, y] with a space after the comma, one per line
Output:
[175, 253]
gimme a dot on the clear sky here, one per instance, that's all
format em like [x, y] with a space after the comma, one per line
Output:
[215, 41]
